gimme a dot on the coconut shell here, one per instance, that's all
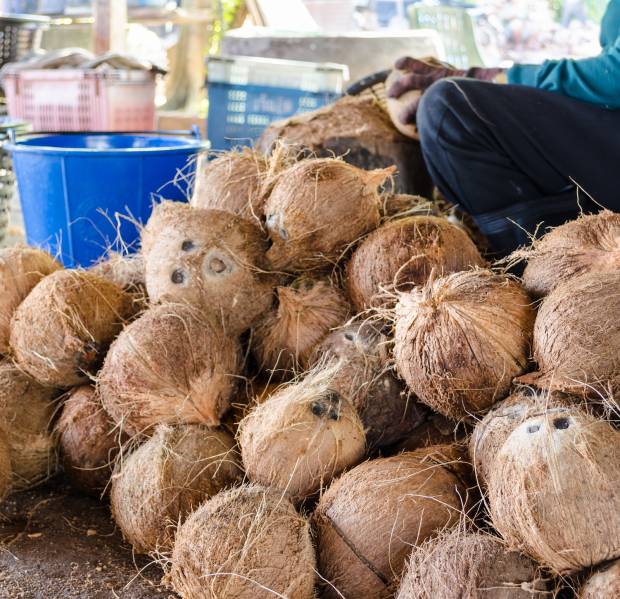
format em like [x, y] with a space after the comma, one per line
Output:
[26, 412]
[21, 268]
[603, 584]
[302, 437]
[396, 106]
[246, 543]
[317, 209]
[470, 565]
[126, 271]
[60, 333]
[587, 245]
[307, 310]
[210, 259]
[369, 519]
[6, 473]
[460, 340]
[554, 490]
[166, 478]
[172, 365]
[402, 254]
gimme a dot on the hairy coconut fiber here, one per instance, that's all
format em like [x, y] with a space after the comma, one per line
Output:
[554, 490]
[400, 205]
[307, 310]
[26, 412]
[126, 271]
[369, 519]
[60, 333]
[492, 431]
[402, 254]
[88, 440]
[208, 258]
[166, 478]
[603, 584]
[5, 466]
[246, 543]
[302, 437]
[21, 268]
[318, 209]
[470, 565]
[589, 244]
[461, 339]
[359, 351]
[577, 336]
[172, 365]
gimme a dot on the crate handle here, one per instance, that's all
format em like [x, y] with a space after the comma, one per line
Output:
[193, 132]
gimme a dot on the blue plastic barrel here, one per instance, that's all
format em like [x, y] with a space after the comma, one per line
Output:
[82, 194]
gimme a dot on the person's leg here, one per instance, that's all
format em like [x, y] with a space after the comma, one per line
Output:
[508, 153]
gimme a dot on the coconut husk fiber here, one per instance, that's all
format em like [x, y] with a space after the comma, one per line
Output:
[158, 485]
[359, 130]
[461, 339]
[402, 254]
[554, 490]
[245, 543]
[172, 365]
[125, 270]
[21, 268]
[370, 518]
[302, 436]
[459, 564]
[604, 583]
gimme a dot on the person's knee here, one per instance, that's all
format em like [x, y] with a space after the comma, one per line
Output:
[439, 98]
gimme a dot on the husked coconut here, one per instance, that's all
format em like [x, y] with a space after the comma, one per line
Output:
[245, 543]
[172, 365]
[302, 437]
[370, 518]
[5, 466]
[402, 254]
[158, 485]
[60, 333]
[317, 209]
[604, 583]
[211, 259]
[461, 339]
[554, 490]
[125, 270]
[21, 268]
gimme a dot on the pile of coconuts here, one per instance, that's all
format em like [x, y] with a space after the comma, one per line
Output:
[304, 386]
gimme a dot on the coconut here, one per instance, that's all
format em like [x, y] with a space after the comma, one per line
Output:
[589, 244]
[208, 258]
[554, 490]
[26, 411]
[306, 311]
[470, 565]
[317, 209]
[172, 365]
[434, 430]
[245, 543]
[396, 106]
[88, 440]
[402, 254]
[5, 466]
[603, 584]
[461, 339]
[302, 437]
[125, 270]
[21, 268]
[369, 519]
[61, 331]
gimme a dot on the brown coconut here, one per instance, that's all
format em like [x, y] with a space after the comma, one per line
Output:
[318, 209]
[26, 413]
[369, 519]
[554, 490]
[88, 439]
[302, 437]
[245, 543]
[402, 254]
[208, 258]
[604, 583]
[172, 365]
[306, 311]
[586, 245]
[5, 466]
[125, 270]
[461, 339]
[21, 268]
[470, 565]
[60, 333]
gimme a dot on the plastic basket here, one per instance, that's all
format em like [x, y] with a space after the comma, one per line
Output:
[82, 100]
[20, 35]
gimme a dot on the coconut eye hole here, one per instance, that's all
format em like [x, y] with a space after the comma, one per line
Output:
[188, 245]
[533, 428]
[349, 336]
[217, 264]
[328, 406]
[561, 424]
[178, 276]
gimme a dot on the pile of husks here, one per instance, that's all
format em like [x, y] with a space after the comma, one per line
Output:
[306, 386]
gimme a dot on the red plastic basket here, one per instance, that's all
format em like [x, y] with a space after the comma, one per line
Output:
[82, 100]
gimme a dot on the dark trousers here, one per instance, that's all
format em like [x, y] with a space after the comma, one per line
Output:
[514, 157]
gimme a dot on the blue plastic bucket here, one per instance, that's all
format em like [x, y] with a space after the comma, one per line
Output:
[82, 194]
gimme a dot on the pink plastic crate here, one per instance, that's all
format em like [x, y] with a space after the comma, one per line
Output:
[82, 100]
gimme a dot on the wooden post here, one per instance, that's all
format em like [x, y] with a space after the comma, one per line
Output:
[110, 28]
